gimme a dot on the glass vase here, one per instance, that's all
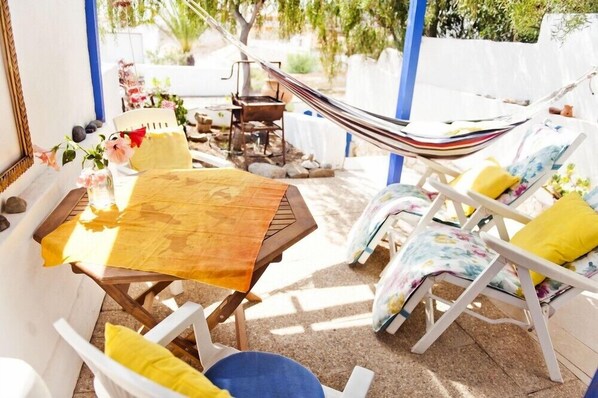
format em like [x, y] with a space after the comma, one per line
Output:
[101, 188]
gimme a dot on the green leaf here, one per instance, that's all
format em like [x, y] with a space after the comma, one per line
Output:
[68, 156]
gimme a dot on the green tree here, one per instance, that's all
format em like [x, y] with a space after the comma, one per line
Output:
[369, 26]
[243, 15]
[237, 15]
[182, 24]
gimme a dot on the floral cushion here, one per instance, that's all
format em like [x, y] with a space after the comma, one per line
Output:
[592, 198]
[463, 254]
[393, 199]
[529, 170]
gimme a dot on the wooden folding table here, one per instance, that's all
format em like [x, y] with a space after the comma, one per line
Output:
[291, 223]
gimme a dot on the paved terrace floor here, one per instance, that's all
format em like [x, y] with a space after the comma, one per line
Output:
[317, 310]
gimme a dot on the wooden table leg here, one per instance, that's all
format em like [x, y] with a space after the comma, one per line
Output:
[155, 289]
[254, 298]
[136, 310]
[232, 301]
[241, 329]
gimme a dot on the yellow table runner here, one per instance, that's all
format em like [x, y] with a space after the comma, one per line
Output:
[205, 225]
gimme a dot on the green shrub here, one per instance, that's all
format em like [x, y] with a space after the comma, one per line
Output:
[167, 57]
[301, 63]
[567, 181]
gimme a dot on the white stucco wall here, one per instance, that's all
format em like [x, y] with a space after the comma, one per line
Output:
[469, 79]
[51, 46]
[476, 71]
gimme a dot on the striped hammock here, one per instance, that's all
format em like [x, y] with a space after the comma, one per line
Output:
[428, 139]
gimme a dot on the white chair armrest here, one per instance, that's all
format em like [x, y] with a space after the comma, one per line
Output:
[495, 207]
[190, 314]
[530, 261]
[452, 194]
[174, 324]
[438, 167]
[359, 383]
[210, 159]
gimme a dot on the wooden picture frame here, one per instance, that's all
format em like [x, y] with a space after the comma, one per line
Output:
[16, 151]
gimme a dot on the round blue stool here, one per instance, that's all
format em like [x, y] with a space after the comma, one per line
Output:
[250, 374]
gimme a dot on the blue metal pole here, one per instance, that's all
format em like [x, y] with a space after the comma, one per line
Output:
[93, 47]
[348, 138]
[413, 39]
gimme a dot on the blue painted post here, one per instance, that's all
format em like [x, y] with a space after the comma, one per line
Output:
[348, 138]
[413, 39]
[93, 47]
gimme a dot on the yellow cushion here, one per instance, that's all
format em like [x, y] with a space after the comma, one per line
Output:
[562, 233]
[487, 178]
[162, 150]
[157, 363]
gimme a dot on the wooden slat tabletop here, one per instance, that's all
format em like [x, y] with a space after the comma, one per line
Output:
[292, 222]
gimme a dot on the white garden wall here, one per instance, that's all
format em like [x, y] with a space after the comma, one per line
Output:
[51, 44]
[468, 79]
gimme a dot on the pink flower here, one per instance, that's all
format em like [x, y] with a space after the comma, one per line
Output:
[98, 178]
[168, 105]
[90, 178]
[47, 157]
[118, 150]
[85, 179]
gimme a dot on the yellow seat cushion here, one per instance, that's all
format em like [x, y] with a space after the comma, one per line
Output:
[157, 363]
[561, 234]
[487, 178]
[162, 150]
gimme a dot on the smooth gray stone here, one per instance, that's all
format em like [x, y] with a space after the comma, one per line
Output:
[90, 128]
[198, 137]
[14, 205]
[310, 164]
[97, 123]
[4, 224]
[267, 170]
[78, 133]
[295, 171]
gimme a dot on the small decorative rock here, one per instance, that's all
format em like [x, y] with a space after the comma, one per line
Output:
[316, 173]
[4, 224]
[326, 165]
[78, 133]
[296, 171]
[310, 164]
[221, 137]
[196, 137]
[267, 170]
[90, 128]
[97, 123]
[204, 123]
[14, 205]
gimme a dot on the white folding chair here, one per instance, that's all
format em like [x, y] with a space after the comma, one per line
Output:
[114, 380]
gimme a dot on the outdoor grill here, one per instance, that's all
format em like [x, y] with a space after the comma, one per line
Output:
[258, 108]
[257, 115]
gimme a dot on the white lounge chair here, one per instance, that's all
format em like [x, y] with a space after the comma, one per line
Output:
[419, 206]
[479, 263]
